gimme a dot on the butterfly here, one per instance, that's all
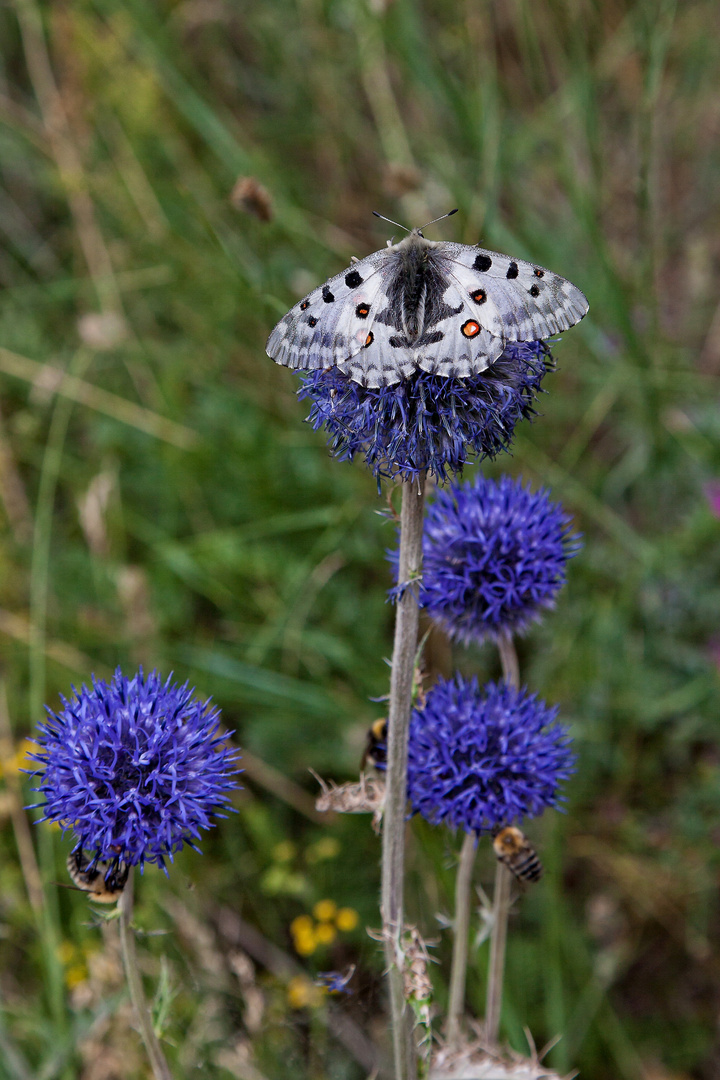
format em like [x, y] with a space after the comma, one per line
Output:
[448, 309]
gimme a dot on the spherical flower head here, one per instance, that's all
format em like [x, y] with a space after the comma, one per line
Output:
[494, 556]
[135, 767]
[427, 422]
[482, 759]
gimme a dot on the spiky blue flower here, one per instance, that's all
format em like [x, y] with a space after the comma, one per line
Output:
[135, 767]
[336, 982]
[484, 758]
[494, 556]
[428, 423]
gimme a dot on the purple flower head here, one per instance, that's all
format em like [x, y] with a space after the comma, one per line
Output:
[427, 422]
[135, 767]
[479, 759]
[494, 555]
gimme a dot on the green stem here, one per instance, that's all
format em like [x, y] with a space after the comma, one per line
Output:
[503, 878]
[498, 938]
[39, 578]
[160, 1067]
[393, 834]
[461, 927]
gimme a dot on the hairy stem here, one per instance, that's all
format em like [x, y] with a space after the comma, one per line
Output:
[461, 927]
[503, 878]
[400, 707]
[160, 1067]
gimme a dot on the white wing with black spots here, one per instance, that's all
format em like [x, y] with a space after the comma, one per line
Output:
[445, 308]
[533, 303]
[330, 324]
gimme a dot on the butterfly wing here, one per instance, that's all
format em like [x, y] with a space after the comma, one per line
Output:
[332, 323]
[474, 301]
[532, 303]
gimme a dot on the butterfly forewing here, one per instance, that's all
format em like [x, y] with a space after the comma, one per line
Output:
[533, 302]
[331, 324]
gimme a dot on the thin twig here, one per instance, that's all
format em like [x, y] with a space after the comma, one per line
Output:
[68, 385]
[21, 827]
[461, 928]
[509, 661]
[160, 1067]
[501, 904]
[503, 878]
[67, 156]
[400, 706]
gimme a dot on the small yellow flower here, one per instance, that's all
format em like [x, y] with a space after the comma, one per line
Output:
[305, 943]
[325, 910]
[327, 848]
[284, 851]
[20, 759]
[302, 924]
[75, 975]
[66, 952]
[302, 994]
[325, 933]
[347, 918]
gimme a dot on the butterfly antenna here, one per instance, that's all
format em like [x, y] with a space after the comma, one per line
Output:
[441, 218]
[391, 222]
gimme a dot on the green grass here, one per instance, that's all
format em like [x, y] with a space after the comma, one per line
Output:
[172, 509]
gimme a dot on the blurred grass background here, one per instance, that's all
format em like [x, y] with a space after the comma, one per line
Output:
[163, 503]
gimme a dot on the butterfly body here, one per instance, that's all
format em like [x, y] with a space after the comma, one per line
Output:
[444, 308]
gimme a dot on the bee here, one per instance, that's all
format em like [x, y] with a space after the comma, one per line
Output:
[514, 849]
[376, 746]
[102, 879]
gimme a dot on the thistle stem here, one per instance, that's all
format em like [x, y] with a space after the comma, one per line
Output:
[503, 878]
[160, 1067]
[498, 937]
[400, 707]
[461, 927]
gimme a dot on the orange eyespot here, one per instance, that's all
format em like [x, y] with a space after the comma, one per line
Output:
[470, 328]
[479, 296]
[369, 340]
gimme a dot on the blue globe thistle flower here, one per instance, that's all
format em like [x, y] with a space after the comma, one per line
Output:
[494, 555]
[336, 982]
[426, 422]
[481, 759]
[135, 768]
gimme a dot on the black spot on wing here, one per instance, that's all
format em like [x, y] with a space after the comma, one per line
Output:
[482, 263]
[327, 295]
[353, 279]
[534, 291]
[512, 271]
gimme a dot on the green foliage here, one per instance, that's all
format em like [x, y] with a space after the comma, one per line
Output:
[163, 503]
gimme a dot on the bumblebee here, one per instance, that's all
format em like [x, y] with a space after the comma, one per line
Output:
[376, 746]
[102, 879]
[513, 848]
